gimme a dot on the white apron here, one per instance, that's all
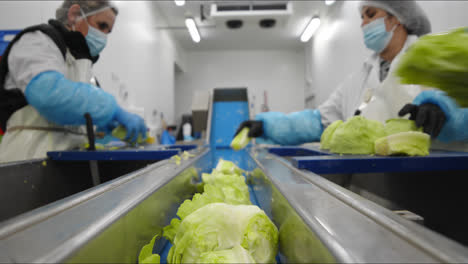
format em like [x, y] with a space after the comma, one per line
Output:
[364, 91]
[31, 133]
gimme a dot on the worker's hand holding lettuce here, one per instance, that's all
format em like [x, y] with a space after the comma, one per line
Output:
[357, 135]
[448, 117]
[427, 115]
[439, 61]
[134, 124]
[284, 129]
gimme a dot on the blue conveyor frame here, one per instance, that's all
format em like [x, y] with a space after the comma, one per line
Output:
[322, 162]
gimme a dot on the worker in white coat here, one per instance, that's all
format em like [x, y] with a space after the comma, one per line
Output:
[389, 28]
[45, 88]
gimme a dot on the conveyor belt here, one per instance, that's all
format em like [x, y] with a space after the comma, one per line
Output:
[165, 251]
[127, 212]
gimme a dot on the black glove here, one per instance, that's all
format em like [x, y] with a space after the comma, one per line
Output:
[256, 128]
[429, 116]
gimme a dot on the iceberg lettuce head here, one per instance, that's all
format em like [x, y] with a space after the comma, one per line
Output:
[356, 136]
[397, 125]
[328, 134]
[221, 226]
[439, 61]
[235, 255]
[405, 143]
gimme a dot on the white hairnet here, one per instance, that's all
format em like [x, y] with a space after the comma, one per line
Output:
[408, 12]
[88, 7]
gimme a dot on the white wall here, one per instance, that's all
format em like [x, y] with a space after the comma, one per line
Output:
[138, 57]
[279, 72]
[337, 49]
[142, 57]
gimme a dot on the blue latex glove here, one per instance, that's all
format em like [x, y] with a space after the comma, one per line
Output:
[455, 127]
[167, 138]
[108, 128]
[65, 102]
[291, 129]
[133, 123]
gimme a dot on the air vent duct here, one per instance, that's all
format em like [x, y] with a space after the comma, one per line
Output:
[252, 12]
[252, 7]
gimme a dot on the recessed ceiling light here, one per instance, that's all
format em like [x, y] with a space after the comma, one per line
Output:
[310, 29]
[193, 30]
[179, 2]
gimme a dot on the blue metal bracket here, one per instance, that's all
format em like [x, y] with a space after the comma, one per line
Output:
[112, 155]
[322, 162]
[182, 147]
[374, 164]
[295, 151]
[3, 42]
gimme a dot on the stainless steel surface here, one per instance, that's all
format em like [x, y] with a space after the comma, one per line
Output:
[434, 195]
[210, 114]
[298, 243]
[36, 183]
[318, 221]
[110, 225]
[22, 222]
[353, 228]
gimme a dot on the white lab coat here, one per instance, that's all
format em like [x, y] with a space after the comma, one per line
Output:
[34, 53]
[363, 90]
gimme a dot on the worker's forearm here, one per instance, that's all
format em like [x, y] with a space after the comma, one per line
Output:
[65, 102]
[292, 129]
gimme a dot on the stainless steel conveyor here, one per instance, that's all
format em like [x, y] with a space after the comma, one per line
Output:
[52, 213]
[318, 220]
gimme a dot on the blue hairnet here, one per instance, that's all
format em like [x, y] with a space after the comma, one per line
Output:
[408, 12]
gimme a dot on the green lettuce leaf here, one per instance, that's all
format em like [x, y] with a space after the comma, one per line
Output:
[356, 136]
[120, 132]
[227, 167]
[327, 135]
[241, 140]
[404, 143]
[170, 231]
[218, 188]
[397, 125]
[146, 253]
[220, 226]
[212, 194]
[439, 61]
[235, 255]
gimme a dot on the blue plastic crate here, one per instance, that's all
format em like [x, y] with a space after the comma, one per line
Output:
[4, 43]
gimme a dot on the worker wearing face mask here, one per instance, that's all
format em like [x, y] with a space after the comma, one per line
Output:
[45, 85]
[389, 28]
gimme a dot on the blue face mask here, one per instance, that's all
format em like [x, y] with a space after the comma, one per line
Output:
[95, 39]
[376, 36]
